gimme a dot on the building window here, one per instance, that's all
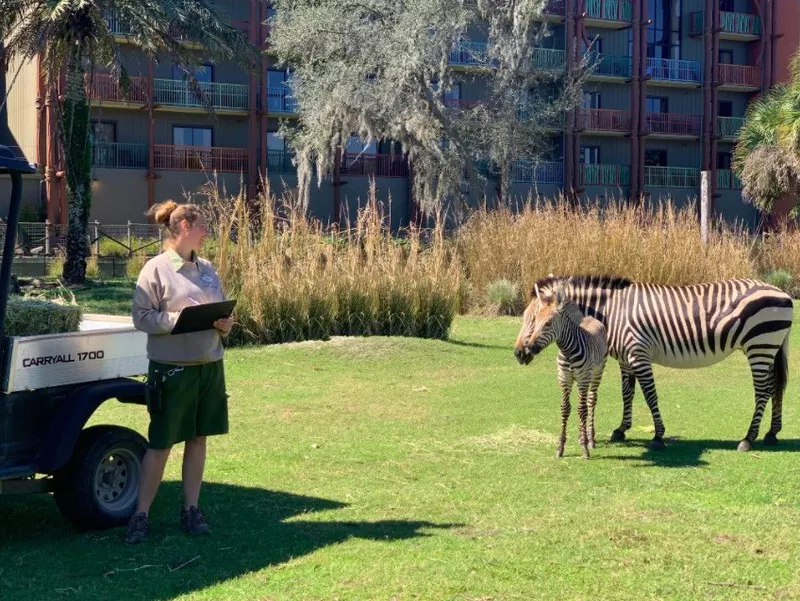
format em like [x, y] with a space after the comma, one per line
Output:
[103, 132]
[724, 160]
[655, 158]
[725, 108]
[454, 93]
[356, 145]
[275, 141]
[591, 100]
[726, 57]
[192, 136]
[203, 74]
[727, 6]
[664, 32]
[657, 104]
[590, 155]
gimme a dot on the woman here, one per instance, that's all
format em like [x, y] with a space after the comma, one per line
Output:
[186, 396]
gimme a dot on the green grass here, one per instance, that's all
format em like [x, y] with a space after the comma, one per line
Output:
[113, 296]
[398, 469]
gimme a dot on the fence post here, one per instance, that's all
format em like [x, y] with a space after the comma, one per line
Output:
[97, 237]
[130, 239]
[47, 233]
[705, 204]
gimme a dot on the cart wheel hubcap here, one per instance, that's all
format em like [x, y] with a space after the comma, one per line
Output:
[116, 480]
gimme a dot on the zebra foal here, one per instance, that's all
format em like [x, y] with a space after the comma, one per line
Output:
[582, 355]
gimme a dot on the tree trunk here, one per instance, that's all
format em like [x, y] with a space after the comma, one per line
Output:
[75, 141]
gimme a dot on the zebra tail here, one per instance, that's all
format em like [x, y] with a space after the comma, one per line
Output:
[781, 367]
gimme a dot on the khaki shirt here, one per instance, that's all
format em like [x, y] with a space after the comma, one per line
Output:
[165, 286]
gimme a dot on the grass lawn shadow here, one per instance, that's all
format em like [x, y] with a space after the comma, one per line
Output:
[680, 452]
[253, 528]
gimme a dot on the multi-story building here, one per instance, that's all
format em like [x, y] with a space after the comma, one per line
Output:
[671, 84]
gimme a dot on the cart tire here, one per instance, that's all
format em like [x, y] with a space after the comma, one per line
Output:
[98, 487]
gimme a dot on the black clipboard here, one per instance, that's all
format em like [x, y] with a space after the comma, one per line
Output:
[197, 318]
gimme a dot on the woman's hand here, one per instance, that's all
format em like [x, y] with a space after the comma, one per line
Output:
[224, 325]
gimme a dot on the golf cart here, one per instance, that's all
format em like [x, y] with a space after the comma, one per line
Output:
[49, 388]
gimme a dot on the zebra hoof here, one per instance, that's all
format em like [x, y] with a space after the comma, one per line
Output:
[770, 439]
[617, 436]
[592, 444]
[559, 453]
[745, 446]
[657, 444]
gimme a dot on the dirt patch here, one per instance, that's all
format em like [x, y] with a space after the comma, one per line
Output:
[511, 440]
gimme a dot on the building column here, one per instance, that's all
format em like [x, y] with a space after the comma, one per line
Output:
[580, 38]
[264, 112]
[645, 23]
[151, 139]
[253, 28]
[714, 109]
[636, 82]
[569, 129]
[708, 42]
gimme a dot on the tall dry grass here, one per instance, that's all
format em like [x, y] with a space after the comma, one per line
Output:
[295, 281]
[660, 245]
[779, 251]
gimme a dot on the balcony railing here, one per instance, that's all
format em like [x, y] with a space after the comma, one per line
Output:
[119, 155]
[740, 75]
[728, 127]
[378, 165]
[175, 92]
[103, 87]
[279, 161]
[200, 158]
[279, 100]
[606, 175]
[118, 26]
[671, 177]
[468, 53]
[672, 124]
[610, 66]
[540, 173]
[604, 120]
[729, 22]
[669, 69]
[171, 92]
[549, 59]
[728, 180]
[609, 10]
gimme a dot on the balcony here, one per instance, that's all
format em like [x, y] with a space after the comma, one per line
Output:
[200, 158]
[728, 180]
[604, 121]
[549, 59]
[377, 165]
[104, 87]
[280, 101]
[728, 127]
[122, 28]
[605, 175]
[671, 177]
[460, 103]
[609, 13]
[280, 161]
[610, 66]
[739, 77]
[530, 172]
[169, 92]
[672, 125]
[468, 54]
[223, 96]
[119, 156]
[734, 26]
[674, 72]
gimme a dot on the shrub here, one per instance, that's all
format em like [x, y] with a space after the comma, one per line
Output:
[780, 278]
[504, 297]
[135, 264]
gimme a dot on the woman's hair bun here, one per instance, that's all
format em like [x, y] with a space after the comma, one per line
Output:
[163, 211]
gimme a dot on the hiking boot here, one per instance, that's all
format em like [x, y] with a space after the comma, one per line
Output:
[194, 522]
[137, 529]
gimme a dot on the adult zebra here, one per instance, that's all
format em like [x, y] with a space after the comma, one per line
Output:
[684, 327]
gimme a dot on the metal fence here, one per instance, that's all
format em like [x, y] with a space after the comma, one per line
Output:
[118, 240]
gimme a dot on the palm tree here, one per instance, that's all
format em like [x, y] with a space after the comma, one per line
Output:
[73, 40]
[767, 155]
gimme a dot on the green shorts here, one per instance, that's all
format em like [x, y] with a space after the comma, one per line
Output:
[185, 402]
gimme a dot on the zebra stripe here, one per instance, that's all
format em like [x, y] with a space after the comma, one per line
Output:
[688, 327]
[582, 356]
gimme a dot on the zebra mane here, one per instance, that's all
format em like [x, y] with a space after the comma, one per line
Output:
[610, 282]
